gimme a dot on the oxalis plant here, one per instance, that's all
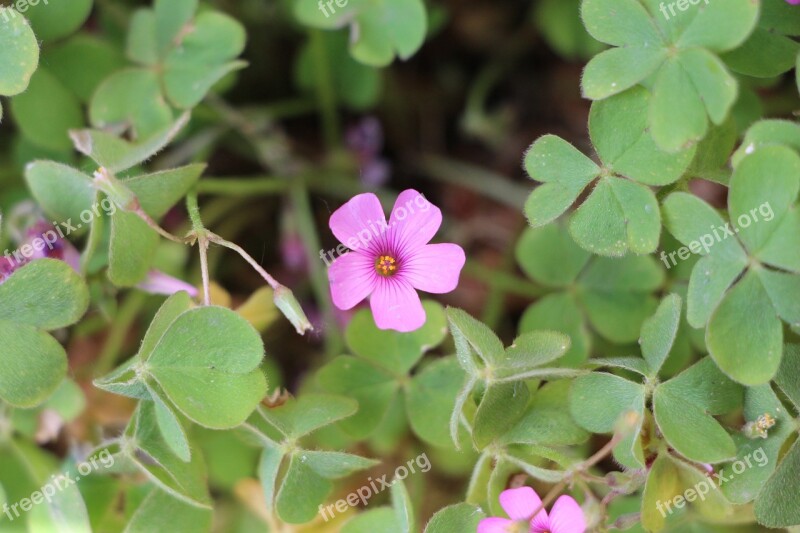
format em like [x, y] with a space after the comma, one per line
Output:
[155, 376]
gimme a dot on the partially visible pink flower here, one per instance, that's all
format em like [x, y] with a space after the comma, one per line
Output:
[42, 240]
[390, 261]
[157, 282]
[794, 2]
[7, 267]
[39, 241]
[566, 516]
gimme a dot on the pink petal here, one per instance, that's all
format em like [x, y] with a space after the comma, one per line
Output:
[521, 503]
[566, 516]
[158, 282]
[352, 278]
[540, 524]
[414, 221]
[72, 256]
[396, 305]
[435, 268]
[359, 221]
[494, 525]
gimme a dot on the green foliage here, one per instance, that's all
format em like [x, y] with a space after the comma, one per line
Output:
[501, 374]
[19, 55]
[40, 297]
[609, 296]
[770, 49]
[296, 480]
[396, 519]
[744, 333]
[683, 405]
[171, 366]
[677, 55]
[621, 214]
[380, 30]
[681, 373]
[179, 57]
[356, 85]
[59, 19]
[132, 243]
[560, 25]
[379, 372]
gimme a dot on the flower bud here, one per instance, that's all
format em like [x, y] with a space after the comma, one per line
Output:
[290, 307]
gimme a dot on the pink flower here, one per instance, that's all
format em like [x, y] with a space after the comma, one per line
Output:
[794, 2]
[566, 516]
[390, 262]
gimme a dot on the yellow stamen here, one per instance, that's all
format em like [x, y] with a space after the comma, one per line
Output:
[765, 421]
[386, 265]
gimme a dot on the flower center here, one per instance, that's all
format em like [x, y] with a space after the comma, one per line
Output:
[386, 265]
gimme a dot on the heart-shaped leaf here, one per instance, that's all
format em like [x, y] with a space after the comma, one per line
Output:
[397, 352]
[34, 365]
[598, 400]
[59, 19]
[675, 52]
[45, 294]
[379, 30]
[207, 363]
[19, 54]
[659, 331]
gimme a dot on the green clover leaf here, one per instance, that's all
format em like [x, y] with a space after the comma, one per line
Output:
[66, 194]
[683, 406]
[189, 366]
[770, 50]
[783, 478]
[612, 297]
[379, 29]
[296, 480]
[180, 56]
[41, 296]
[399, 518]
[747, 281]
[498, 375]
[621, 213]
[676, 53]
[378, 375]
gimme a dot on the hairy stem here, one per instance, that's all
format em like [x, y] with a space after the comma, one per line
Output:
[200, 233]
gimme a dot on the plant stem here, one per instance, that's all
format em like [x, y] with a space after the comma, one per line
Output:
[507, 282]
[154, 225]
[119, 328]
[482, 181]
[319, 282]
[242, 186]
[326, 93]
[582, 467]
[201, 235]
[494, 306]
[95, 236]
[216, 239]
